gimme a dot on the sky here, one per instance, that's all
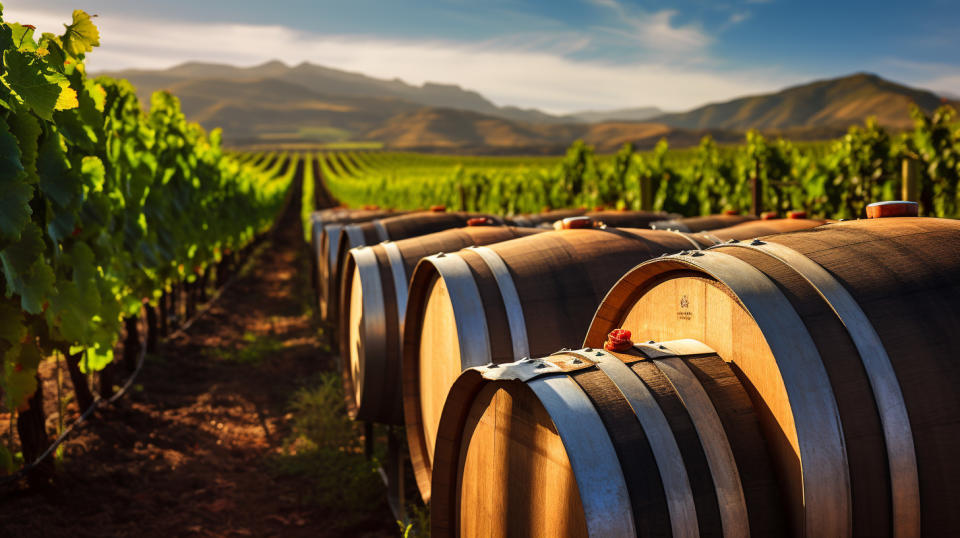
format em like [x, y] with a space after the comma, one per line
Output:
[557, 55]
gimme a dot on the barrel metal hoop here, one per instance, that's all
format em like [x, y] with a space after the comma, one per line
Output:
[670, 224]
[333, 245]
[603, 491]
[355, 236]
[468, 312]
[511, 300]
[710, 237]
[685, 235]
[716, 446]
[673, 471]
[382, 234]
[399, 274]
[528, 369]
[901, 455]
[374, 318]
[823, 455]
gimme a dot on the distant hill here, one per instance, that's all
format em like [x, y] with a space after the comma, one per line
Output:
[463, 131]
[332, 82]
[623, 114]
[837, 102]
[277, 104]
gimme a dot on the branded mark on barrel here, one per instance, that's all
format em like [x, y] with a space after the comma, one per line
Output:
[684, 313]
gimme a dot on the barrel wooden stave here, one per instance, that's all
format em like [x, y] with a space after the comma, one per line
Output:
[898, 271]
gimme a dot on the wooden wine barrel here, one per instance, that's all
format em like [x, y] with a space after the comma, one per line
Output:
[327, 246]
[373, 304]
[629, 219]
[515, 299]
[390, 229]
[520, 298]
[758, 228]
[846, 337]
[699, 224]
[660, 440]
[545, 219]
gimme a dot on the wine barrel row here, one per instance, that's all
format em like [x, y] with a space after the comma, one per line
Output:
[328, 228]
[521, 298]
[325, 236]
[373, 303]
[374, 290]
[814, 371]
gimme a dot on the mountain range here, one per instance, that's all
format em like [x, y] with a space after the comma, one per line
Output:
[276, 104]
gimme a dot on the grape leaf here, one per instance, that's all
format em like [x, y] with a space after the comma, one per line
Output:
[67, 98]
[28, 78]
[57, 181]
[16, 192]
[77, 301]
[26, 271]
[81, 36]
[11, 324]
[20, 375]
[27, 129]
[23, 37]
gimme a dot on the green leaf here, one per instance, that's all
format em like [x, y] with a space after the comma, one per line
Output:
[97, 358]
[16, 192]
[20, 375]
[82, 35]
[11, 324]
[27, 129]
[57, 181]
[29, 79]
[26, 271]
[23, 37]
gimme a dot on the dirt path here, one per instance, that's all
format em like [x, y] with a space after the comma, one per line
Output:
[208, 444]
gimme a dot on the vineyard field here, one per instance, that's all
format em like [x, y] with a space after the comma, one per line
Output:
[831, 179]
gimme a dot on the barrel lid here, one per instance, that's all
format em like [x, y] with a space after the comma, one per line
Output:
[799, 214]
[573, 223]
[438, 208]
[769, 215]
[730, 212]
[894, 208]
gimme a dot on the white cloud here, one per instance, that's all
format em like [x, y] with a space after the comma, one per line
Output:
[737, 18]
[515, 72]
[655, 31]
